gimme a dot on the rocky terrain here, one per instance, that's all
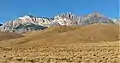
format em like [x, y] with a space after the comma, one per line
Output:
[25, 24]
[31, 23]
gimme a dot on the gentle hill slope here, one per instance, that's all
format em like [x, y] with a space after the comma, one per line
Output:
[8, 35]
[65, 34]
[95, 32]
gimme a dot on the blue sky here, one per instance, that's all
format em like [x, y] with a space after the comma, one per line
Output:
[11, 9]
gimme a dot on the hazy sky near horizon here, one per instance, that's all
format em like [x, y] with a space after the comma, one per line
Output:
[11, 9]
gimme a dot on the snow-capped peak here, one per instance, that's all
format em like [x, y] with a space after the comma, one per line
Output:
[64, 19]
[95, 14]
[68, 15]
[26, 17]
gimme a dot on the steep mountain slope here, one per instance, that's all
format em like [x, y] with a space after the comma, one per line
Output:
[7, 35]
[66, 34]
[25, 24]
[65, 19]
[70, 19]
[28, 27]
[95, 18]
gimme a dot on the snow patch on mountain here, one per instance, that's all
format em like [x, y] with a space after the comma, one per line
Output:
[31, 23]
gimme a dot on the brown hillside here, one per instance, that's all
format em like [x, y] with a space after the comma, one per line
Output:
[65, 34]
[91, 33]
[6, 36]
[95, 32]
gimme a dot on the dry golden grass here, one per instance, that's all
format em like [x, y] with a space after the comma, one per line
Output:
[7, 35]
[98, 43]
[103, 52]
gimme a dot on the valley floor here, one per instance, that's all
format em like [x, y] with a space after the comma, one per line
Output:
[102, 52]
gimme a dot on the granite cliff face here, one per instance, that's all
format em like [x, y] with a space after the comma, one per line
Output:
[66, 19]
[95, 18]
[31, 23]
[25, 24]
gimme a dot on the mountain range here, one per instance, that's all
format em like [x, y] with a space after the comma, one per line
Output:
[31, 23]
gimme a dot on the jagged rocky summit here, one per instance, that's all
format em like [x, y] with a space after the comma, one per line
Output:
[25, 24]
[31, 23]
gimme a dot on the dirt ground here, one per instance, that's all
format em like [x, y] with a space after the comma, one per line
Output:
[102, 52]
